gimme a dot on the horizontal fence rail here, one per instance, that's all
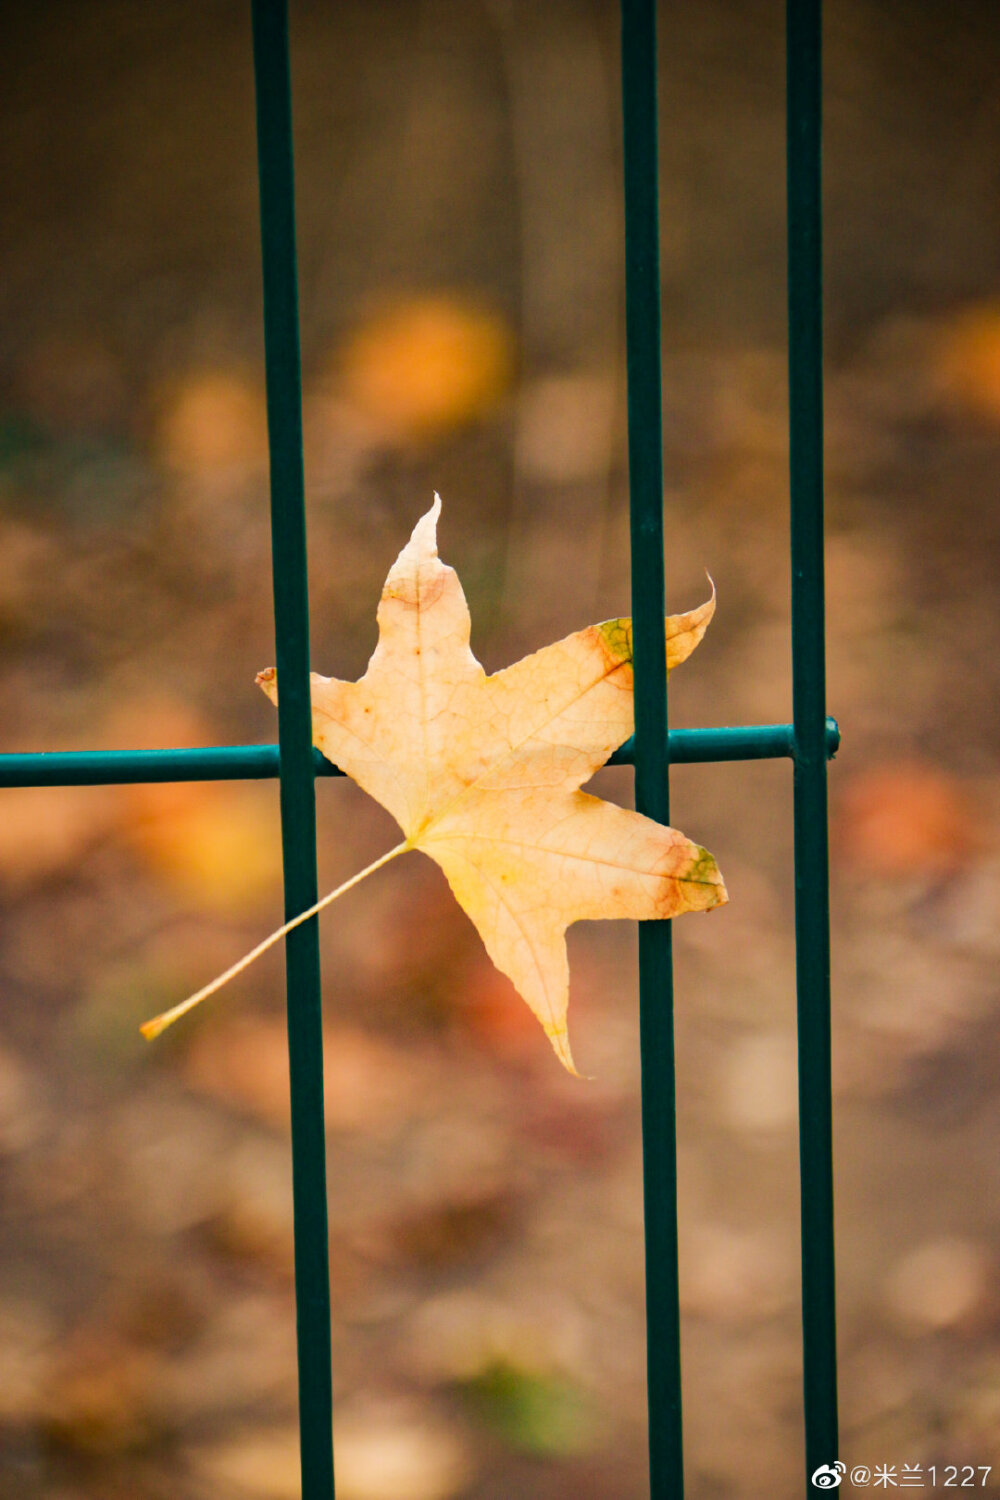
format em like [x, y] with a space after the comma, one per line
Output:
[263, 762]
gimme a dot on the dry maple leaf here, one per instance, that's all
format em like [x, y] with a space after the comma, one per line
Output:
[484, 774]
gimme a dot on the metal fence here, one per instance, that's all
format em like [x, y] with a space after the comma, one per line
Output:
[809, 741]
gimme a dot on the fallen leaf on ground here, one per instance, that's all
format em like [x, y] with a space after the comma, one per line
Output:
[483, 774]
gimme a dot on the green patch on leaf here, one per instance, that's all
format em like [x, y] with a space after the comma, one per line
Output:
[617, 637]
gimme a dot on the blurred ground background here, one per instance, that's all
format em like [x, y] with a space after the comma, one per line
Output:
[459, 212]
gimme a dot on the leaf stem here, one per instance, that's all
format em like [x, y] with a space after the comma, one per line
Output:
[151, 1029]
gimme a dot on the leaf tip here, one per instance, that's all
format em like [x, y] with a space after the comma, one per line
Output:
[685, 632]
[559, 1038]
[424, 536]
[705, 873]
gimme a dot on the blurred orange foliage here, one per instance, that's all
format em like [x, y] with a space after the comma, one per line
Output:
[967, 363]
[212, 423]
[422, 366]
[212, 844]
[905, 818]
[243, 1063]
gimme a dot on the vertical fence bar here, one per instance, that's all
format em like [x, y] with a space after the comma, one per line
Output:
[812, 920]
[298, 806]
[652, 796]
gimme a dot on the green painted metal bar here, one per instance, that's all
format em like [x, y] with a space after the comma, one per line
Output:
[298, 810]
[812, 920]
[114, 767]
[260, 762]
[652, 760]
[688, 747]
